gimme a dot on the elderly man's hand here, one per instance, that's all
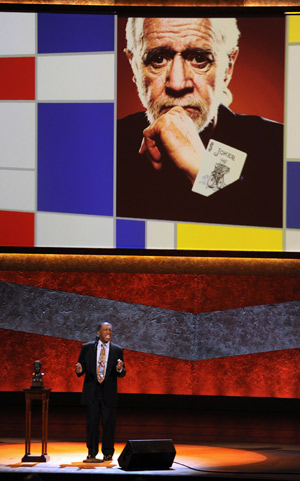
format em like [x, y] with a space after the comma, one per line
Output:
[174, 135]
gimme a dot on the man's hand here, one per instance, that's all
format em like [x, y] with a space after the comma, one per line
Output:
[78, 368]
[174, 135]
[119, 365]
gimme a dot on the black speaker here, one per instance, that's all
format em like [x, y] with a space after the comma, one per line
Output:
[140, 454]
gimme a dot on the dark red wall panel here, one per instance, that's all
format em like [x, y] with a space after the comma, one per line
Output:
[183, 292]
[264, 374]
[271, 374]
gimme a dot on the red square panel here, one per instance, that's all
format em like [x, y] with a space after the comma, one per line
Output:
[17, 79]
[17, 229]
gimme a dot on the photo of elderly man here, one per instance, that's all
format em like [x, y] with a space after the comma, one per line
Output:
[186, 156]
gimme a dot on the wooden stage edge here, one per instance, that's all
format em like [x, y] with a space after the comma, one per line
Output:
[218, 461]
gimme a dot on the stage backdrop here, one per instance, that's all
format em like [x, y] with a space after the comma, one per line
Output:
[218, 327]
[61, 75]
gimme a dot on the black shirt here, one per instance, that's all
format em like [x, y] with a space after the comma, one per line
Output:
[254, 200]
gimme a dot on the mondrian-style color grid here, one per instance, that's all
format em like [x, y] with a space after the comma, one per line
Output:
[57, 143]
[57, 129]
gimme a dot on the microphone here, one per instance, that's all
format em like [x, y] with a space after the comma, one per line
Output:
[96, 341]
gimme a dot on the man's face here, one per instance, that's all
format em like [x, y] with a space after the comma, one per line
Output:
[179, 62]
[105, 332]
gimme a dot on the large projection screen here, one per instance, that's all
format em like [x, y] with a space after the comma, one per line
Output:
[70, 172]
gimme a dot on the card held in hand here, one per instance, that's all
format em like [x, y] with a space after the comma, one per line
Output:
[222, 165]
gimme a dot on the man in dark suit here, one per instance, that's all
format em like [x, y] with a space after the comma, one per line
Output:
[102, 363]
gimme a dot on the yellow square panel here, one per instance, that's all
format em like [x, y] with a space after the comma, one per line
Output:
[212, 237]
[294, 28]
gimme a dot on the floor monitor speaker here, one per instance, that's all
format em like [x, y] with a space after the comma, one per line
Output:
[141, 454]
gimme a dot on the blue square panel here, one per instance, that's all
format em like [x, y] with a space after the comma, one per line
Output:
[130, 234]
[75, 158]
[293, 195]
[71, 32]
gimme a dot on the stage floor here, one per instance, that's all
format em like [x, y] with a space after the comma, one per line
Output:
[224, 461]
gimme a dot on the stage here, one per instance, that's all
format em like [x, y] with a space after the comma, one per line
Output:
[214, 438]
[226, 461]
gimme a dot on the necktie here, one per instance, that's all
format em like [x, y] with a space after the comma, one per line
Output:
[101, 365]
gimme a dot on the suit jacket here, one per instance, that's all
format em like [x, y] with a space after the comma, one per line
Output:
[87, 359]
[253, 200]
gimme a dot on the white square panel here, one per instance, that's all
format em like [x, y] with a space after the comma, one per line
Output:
[17, 190]
[292, 241]
[17, 33]
[75, 77]
[293, 103]
[17, 134]
[66, 230]
[160, 235]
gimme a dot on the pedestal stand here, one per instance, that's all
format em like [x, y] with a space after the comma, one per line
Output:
[41, 394]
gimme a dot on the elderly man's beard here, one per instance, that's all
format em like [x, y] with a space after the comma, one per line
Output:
[200, 111]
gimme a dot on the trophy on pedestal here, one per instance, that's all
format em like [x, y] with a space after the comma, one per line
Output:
[37, 376]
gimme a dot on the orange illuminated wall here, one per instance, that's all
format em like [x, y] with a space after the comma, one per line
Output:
[198, 289]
